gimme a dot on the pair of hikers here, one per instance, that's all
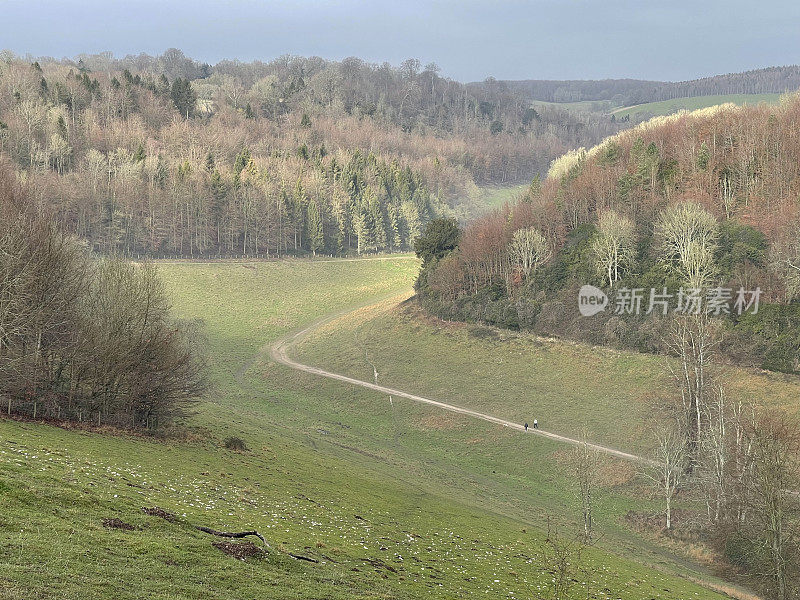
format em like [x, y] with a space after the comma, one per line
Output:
[535, 425]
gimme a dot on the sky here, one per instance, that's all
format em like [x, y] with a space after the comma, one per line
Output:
[469, 40]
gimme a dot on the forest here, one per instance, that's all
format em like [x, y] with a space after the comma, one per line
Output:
[166, 156]
[703, 200]
[628, 92]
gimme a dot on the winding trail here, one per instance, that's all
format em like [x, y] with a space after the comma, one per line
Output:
[279, 352]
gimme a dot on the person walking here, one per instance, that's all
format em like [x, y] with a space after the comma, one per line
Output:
[526, 427]
[535, 424]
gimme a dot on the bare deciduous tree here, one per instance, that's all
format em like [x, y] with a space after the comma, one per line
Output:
[776, 465]
[614, 247]
[528, 250]
[669, 468]
[83, 338]
[585, 464]
[694, 340]
[687, 235]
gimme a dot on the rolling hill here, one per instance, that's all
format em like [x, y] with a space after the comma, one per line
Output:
[393, 500]
[668, 107]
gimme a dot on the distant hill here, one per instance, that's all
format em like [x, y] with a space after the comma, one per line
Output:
[629, 92]
[739, 165]
[667, 107]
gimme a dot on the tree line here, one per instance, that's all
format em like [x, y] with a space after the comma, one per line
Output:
[628, 92]
[163, 155]
[605, 216]
[84, 338]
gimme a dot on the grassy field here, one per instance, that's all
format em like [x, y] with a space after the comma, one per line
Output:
[602, 106]
[667, 107]
[569, 387]
[485, 198]
[496, 196]
[395, 500]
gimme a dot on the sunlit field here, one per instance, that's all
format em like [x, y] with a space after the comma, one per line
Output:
[390, 499]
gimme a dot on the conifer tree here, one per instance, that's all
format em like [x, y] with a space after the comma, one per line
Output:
[316, 237]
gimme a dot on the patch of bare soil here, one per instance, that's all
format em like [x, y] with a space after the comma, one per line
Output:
[239, 550]
[157, 511]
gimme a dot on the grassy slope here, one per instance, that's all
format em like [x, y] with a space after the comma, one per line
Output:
[495, 196]
[333, 473]
[483, 199]
[667, 107]
[568, 387]
[580, 106]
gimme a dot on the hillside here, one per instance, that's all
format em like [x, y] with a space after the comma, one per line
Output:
[629, 92]
[668, 107]
[739, 165]
[164, 156]
[391, 500]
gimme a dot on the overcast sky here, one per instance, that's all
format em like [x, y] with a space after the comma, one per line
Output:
[469, 40]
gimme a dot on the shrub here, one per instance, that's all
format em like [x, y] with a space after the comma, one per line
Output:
[235, 443]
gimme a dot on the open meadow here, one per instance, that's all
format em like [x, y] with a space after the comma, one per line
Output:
[388, 498]
[667, 107]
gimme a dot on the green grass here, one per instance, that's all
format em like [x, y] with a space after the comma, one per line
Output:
[455, 507]
[667, 107]
[601, 106]
[485, 198]
[569, 387]
[496, 196]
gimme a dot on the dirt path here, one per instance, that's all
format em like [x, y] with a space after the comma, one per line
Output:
[280, 353]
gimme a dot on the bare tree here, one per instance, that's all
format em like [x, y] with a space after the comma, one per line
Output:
[614, 247]
[528, 250]
[687, 235]
[776, 464]
[561, 558]
[669, 468]
[585, 464]
[81, 337]
[694, 339]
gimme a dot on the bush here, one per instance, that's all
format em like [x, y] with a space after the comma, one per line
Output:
[235, 443]
[107, 350]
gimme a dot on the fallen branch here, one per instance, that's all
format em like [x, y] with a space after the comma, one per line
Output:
[242, 534]
[301, 557]
[228, 534]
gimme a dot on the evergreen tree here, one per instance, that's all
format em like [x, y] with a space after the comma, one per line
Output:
[139, 155]
[535, 188]
[242, 160]
[339, 216]
[361, 229]
[395, 239]
[299, 201]
[161, 172]
[377, 223]
[316, 237]
[703, 156]
[183, 96]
